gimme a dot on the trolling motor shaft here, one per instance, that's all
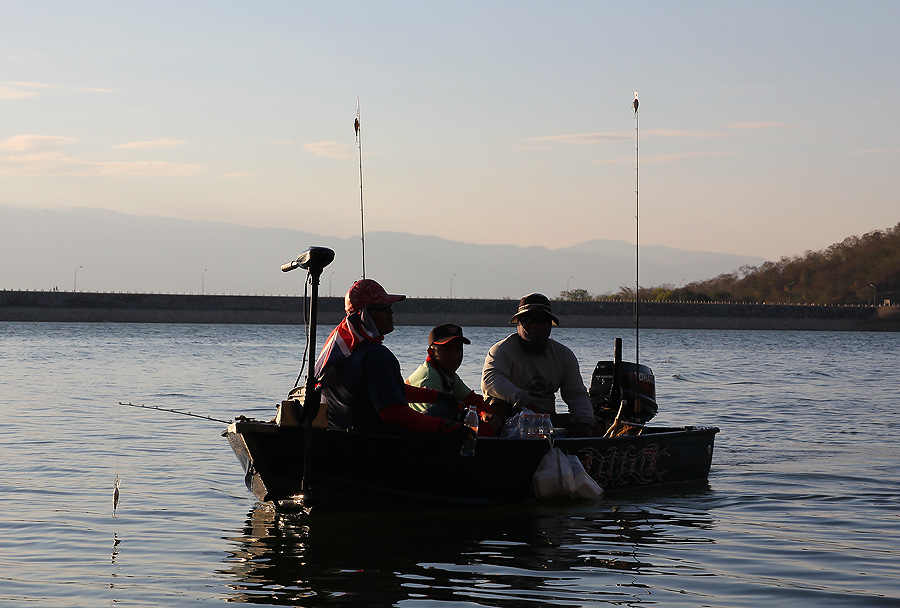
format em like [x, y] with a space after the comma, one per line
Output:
[313, 260]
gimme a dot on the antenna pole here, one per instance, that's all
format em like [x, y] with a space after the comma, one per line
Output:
[637, 284]
[362, 223]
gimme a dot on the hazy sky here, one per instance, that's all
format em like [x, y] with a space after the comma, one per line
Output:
[766, 128]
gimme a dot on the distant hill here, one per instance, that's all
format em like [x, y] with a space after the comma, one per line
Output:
[858, 270]
[101, 250]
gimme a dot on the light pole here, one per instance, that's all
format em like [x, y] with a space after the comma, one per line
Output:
[789, 290]
[451, 285]
[203, 281]
[75, 283]
[567, 282]
[872, 285]
[329, 283]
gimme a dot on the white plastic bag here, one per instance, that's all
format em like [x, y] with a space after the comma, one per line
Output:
[559, 474]
[553, 476]
[585, 486]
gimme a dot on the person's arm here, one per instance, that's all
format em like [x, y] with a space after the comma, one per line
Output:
[478, 401]
[425, 377]
[575, 395]
[420, 394]
[401, 415]
[469, 397]
[386, 394]
[495, 380]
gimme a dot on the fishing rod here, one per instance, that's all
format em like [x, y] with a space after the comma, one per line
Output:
[163, 409]
[362, 223]
[637, 267]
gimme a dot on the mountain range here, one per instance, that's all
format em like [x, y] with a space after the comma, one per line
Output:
[100, 250]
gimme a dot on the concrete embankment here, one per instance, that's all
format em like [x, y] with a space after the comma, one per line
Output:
[58, 306]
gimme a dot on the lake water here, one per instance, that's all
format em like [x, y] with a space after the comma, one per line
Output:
[801, 507]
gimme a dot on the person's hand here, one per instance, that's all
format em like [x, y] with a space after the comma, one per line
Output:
[489, 418]
[456, 430]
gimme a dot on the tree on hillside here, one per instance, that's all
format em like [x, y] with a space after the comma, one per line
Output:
[576, 295]
[857, 270]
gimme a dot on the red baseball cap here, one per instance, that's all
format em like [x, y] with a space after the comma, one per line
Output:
[365, 292]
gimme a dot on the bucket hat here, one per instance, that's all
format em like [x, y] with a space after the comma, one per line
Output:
[534, 302]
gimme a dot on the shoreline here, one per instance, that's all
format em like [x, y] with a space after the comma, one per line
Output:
[90, 307]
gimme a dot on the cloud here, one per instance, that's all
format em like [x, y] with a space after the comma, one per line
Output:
[330, 149]
[22, 90]
[159, 144]
[751, 125]
[35, 143]
[44, 156]
[236, 175]
[25, 90]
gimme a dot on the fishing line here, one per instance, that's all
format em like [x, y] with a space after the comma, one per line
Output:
[171, 411]
[118, 449]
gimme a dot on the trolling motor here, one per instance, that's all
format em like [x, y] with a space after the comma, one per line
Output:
[314, 260]
[623, 391]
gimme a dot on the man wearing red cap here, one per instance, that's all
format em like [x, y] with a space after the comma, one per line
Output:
[361, 379]
[527, 369]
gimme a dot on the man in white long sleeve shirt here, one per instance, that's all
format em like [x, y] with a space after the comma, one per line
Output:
[527, 369]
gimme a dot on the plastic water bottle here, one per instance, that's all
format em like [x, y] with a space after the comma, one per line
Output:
[545, 427]
[471, 421]
[525, 425]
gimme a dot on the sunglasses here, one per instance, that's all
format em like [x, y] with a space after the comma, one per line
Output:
[534, 319]
[380, 307]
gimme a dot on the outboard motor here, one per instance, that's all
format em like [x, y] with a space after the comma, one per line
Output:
[615, 381]
[607, 394]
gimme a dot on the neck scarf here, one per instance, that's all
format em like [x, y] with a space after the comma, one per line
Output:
[355, 329]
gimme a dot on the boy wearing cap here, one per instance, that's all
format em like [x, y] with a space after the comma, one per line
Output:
[528, 368]
[445, 355]
[361, 379]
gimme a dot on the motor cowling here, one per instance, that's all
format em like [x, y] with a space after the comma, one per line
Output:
[608, 390]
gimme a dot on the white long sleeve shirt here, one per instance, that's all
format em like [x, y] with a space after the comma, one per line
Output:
[518, 377]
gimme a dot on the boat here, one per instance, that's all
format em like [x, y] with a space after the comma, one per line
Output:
[295, 461]
[349, 468]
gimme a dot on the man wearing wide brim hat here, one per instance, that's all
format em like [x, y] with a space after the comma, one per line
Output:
[528, 368]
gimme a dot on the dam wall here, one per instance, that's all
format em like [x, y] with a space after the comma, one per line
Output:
[66, 307]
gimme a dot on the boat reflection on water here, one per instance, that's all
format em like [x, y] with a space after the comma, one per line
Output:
[556, 553]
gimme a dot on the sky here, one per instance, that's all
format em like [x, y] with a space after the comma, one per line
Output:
[764, 128]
